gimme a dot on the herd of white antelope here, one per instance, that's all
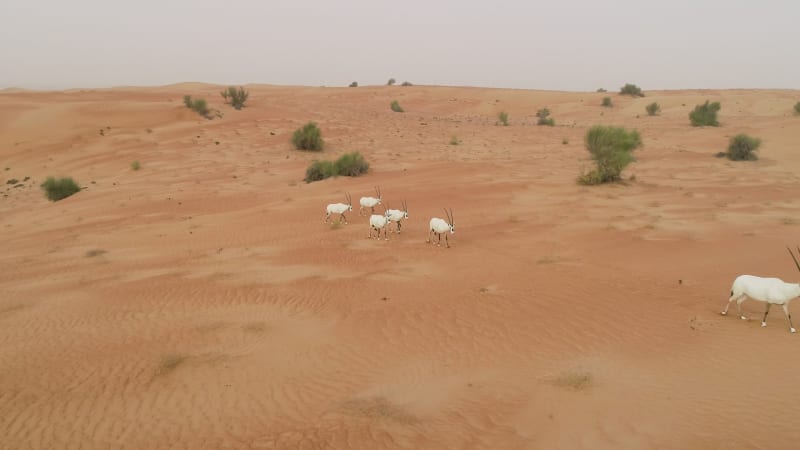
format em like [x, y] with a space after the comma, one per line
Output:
[771, 291]
[382, 222]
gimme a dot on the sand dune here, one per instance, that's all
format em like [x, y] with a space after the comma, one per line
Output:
[200, 302]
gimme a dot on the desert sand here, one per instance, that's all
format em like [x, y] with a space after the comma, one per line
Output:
[201, 302]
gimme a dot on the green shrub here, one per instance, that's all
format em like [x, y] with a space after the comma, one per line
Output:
[198, 105]
[611, 149]
[396, 106]
[502, 117]
[135, 165]
[653, 109]
[705, 115]
[318, 170]
[544, 117]
[607, 102]
[236, 97]
[454, 140]
[406, 83]
[797, 108]
[354, 84]
[632, 90]
[391, 82]
[350, 165]
[187, 100]
[743, 148]
[61, 188]
[309, 137]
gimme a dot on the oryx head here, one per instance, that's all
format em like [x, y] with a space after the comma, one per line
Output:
[450, 221]
[405, 209]
[378, 193]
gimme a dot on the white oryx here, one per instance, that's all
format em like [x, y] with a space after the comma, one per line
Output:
[370, 202]
[441, 227]
[379, 222]
[772, 291]
[339, 208]
[398, 215]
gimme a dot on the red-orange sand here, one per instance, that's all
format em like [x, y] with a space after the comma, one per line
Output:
[201, 302]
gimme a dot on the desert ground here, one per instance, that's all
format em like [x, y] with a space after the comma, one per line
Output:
[201, 302]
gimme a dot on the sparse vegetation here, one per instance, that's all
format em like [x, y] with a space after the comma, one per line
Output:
[59, 188]
[135, 165]
[575, 380]
[544, 117]
[454, 140]
[354, 84]
[632, 90]
[347, 165]
[197, 105]
[502, 118]
[391, 82]
[396, 106]
[653, 109]
[705, 115]
[797, 108]
[612, 150]
[12, 181]
[235, 97]
[743, 148]
[93, 253]
[602, 90]
[350, 165]
[169, 363]
[309, 137]
[564, 141]
[406, 83]
[607, 102]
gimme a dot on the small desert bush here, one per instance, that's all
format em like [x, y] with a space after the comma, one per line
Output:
[236, 97]
[611, 149]
[396, 106]
[135, 165]
[743, 148]
[705, 115]
[653, 109]
[544, 117]
[354, 84]
[406, 83]
[797, 108]
[350, 165]
[602, 90]
[391, 82]
[454, 140]
[59, 188]
[318, 170]
[502, 117]
[309, 137]
[607, 102]
[197, 105]
[347, 165]
[632, 90]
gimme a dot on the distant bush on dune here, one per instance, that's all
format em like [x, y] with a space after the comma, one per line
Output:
[235, 97]
[406, 83]
[705, 115]
[632, 90]
[544, 117]
[743, 148]
[308, 137]
[391, 82]
[56, 189]
[611, 149]
[502, 118]
[653, 109]
[395, 106]
[354, 84]
[347, 165]
[797, 108]
[197, 105]
[606, 102]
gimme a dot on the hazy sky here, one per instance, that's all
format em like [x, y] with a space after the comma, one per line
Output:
[557, 44]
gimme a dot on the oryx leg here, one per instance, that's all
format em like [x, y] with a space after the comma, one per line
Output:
[398, 227]
[788, 317]
[327, 216]
[430, 232]
[343, 218]
[446, 241]
[739, 305]
[385, 233]
[764, 322]
[730, 300]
